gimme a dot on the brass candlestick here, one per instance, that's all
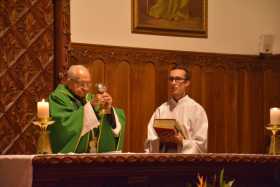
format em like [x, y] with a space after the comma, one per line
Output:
[274, 128]
[43, 145]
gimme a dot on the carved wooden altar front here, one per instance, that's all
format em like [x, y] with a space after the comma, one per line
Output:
[153, 169]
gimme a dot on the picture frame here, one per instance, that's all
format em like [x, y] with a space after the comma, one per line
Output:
[187, 18]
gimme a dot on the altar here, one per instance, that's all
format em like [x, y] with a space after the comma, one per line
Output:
[153, 169]
[141, 169]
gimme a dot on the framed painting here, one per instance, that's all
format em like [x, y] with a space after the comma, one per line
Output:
[170, 17]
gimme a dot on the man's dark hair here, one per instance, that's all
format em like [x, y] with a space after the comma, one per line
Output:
[182, 67]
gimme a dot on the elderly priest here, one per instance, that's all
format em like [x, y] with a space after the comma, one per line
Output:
[84, 122]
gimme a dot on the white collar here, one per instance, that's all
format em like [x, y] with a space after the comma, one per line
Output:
[173, 103]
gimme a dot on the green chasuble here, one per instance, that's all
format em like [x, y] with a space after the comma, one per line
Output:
[67, 112]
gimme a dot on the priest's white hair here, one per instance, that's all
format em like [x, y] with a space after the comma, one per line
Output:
[75, 70]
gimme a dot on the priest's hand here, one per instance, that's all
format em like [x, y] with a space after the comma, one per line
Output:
[103, 101]
[107, 103]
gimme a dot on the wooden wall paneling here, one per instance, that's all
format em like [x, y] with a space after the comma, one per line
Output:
[204, 97]
[135, 95]
[45, 48]
[217, 84]
[196, 82]
[26, 70]
[251, 110]
[122, 79]
[253, 118]
[48, 76]
[118, 81]
[271, 84]
[243, 112]
[275, 89]
[10, 90]
[27, 143]
[13, 48]
[20, 116]
[7, 132]
[230, 110]
[161, 81]
[248, 134]
[268, 83]
[257, 119]
[271, 94]
[3, 64]
[231, 88]
[97, 71]
[149, 99]
[142, 103]
[208, 100]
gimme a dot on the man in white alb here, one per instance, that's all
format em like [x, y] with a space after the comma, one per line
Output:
[190, 116]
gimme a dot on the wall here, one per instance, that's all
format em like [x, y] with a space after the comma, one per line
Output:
[234, 27]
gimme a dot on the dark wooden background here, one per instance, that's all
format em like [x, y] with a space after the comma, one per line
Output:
[34, 41]
[26, 69]
[236, 91]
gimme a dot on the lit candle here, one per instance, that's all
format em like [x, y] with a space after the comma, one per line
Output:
[42, 109]
[275, 116]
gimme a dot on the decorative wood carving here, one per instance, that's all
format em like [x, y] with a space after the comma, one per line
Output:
[154, 158]
[153, 169]
[26, 70]
[62, 38]
[236, 91]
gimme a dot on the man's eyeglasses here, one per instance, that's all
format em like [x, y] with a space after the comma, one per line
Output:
[176, 79]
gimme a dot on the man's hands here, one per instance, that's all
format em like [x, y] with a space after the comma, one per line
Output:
[104, 101]
[175, 137]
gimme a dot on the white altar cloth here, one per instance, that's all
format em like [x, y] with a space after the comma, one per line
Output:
[16, 170]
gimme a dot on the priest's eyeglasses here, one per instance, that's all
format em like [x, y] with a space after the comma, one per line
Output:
[176, 79]
[83, 84]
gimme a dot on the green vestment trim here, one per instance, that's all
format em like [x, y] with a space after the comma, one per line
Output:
[106, 140]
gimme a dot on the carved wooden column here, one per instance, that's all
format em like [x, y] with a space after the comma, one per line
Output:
[26, 70]
[61, 38]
